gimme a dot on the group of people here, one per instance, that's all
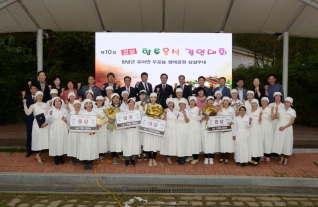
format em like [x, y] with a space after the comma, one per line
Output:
[261, 121]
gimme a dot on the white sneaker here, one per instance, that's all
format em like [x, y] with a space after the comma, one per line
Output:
[206, 161]
[150, 162]
[194, 161]
[189, 159]
[211, 161]
[154, 162]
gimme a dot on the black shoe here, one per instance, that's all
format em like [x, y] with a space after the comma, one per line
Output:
[85, 166]
[28, 154]
[56, 159]
[90, 166]
[238, 164]
[126, 163]
[139, 158]
[61, 160]
[181, 163]
[243, 164]
[145, 156]
[73, 161]
[178, 160]
[133, 163]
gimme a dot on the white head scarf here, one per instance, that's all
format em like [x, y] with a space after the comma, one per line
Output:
[113, 95]
[70, 94]
[290, 99]
[193, 98]
[53, 91]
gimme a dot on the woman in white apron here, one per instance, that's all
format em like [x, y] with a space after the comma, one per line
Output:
[267, 115]
[168, 146]
[40, 135]
[101, 134]
[131, 138]
[58, 132]
[183, 131]
[284, 135]
[69, 103]
[256, 139]
[218, 98]
[87, 149]
[242, 136]
[248, 102]
[88, 95]
[226, 138]
[176, 101]
[109, 92]
[235, 102]
[124, 103]
[210, 140]
[139, 105]
[73, 136]
[194, 138]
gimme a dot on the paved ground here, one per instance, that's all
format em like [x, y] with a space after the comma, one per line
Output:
[15, 135]
[151, 200]
[300, 165]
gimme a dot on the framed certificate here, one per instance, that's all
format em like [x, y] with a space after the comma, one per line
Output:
[83, 123]
[128, 119]
[219, 123]
[152, 126]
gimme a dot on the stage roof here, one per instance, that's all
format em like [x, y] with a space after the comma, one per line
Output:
[298, 17]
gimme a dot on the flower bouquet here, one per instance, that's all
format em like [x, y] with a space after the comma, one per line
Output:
[101, 121]
[209, 111]
[237, 108]
[111, 114]
[153, 111]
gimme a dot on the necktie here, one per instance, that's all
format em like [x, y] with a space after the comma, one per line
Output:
[182, 87]
[163, 88]
[33, 99]
[146, 87]
[128, 90]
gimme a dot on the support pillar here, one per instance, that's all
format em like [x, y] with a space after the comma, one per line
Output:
[39, 49]
[285, 64]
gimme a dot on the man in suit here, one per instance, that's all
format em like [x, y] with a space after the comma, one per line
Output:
[208, 91]
[131, 90]
[163, 90]
[29, 119]
[91, 86]
[224, 90]
[144, 85]
[111, 79]
[240, 89]
[42, 85]
[185, 88]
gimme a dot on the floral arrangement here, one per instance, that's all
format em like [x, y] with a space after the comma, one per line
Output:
[153, 111]
[209, 111]
[111, 114]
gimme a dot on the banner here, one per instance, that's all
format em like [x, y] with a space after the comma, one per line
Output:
[219, 123]
[152, 126]
[188, 54]
[128, 119]
[83, 123]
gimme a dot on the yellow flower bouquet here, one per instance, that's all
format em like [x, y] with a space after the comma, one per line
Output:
[101, 121]
[111, 114]
[209, 111]
[153, 111]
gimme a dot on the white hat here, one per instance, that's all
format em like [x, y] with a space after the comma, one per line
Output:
[133, 99]
[142, 91]
[124, 92]
[210, 97]
[234, 91]
[54, 91]
[38, 93]
[76, 102]
[193, 98]
[266, 99]
[113, 95]
[100, 98]
[179, 90]
[153, 95]
[218, 92]
[53, 99]
[87, 100]
[254, 101]
[226, 98]
[169, 100]
[184, 101]
[71, 94]
[109, 88]
[251, 92]
[277, 93]
[290, 99]
[89, 91]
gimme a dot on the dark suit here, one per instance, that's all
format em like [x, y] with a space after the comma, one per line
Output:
[244, 94]
[46, 92]
[259, 98]
[29, 123]
[106, 85]
[163, 96]
[187, 91]
[132, 91]
[225, 92]
[142, 87]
